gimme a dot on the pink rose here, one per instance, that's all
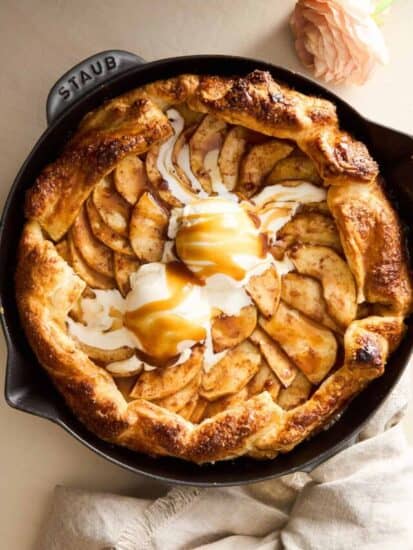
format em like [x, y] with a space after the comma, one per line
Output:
[338, 39]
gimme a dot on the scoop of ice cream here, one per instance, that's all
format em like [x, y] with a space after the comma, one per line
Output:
[217, 236]
[166, 310]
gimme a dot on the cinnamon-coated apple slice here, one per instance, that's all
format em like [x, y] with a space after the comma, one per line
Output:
[178, 400]
[178, 149]
[264, 380]
[106, 356]
[199, 410]
[113, 209]
[95, 253]
[160, 185]
[257, 164]
[125, 368]
[189, 407]
[225, 403]
[312, 347]
[162, 382]
[339, 288]
[232, 151]
[234, 147]
[232, 372]
[91, 277]
[297, 166]
[124, 266]
[309, 228]
[277, 360]
[228, 331]
[306, 295]
[147, 229]
[207, 137]
[105, 234]
[130, 179]
[296, 394]
[265, 290]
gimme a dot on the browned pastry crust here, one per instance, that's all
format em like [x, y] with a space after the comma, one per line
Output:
[124, 128]
[372, 240]
[133, 122]
[47, 287]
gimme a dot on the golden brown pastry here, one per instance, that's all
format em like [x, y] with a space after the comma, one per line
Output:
[202, 272]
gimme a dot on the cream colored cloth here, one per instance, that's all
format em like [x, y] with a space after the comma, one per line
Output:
[362, 497]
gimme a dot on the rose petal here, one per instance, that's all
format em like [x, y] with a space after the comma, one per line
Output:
[338, 39]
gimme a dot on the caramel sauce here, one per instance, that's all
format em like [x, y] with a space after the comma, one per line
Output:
[117, 317]
[158, 329]
[213, 239]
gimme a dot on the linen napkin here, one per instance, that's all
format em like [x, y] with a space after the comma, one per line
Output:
[361, 497]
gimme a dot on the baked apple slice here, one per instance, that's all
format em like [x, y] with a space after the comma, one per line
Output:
[277, 360]
[190, 117]
[235, 145]
[179, 399]
[181, 147]
[309, 228]
[162, 382]
[160, 185]
[306, 295]
[105, 234]
[339, 288]
[130, 179]
[232, 151]
[312, 347]
[207, 137]
[264, 380]
[113, 209]
[125, 368]
[232, 372]
[124, 266]
[297, 166]
[229, 331]
[225, 403]
[106, 356]
[296, 394]
[189, 407]
[265, 290]
[147, 229]
[257, 164]
[92, 278]
[95, 253]
[199, 410]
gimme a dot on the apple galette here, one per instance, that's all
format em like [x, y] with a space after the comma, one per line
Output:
[211, 268]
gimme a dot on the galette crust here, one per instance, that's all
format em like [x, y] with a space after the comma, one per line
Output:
[47, 287]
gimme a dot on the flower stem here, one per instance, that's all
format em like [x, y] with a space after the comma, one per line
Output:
[382, 6]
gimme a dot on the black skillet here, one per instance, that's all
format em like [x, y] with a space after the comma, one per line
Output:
[27, 387]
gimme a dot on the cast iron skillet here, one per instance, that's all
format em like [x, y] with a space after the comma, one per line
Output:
[27, 387]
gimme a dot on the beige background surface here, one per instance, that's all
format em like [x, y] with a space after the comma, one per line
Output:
[40, 40]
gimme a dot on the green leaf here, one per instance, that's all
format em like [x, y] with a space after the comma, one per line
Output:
[382, 6]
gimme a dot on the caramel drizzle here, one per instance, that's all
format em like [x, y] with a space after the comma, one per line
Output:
[160, 331]
[227, 235]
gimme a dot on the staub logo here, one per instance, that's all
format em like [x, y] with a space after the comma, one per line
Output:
[87, 73]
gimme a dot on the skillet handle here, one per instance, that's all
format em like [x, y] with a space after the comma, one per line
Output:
[96, 70]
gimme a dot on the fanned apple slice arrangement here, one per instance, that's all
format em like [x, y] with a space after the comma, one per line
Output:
[278, 327]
